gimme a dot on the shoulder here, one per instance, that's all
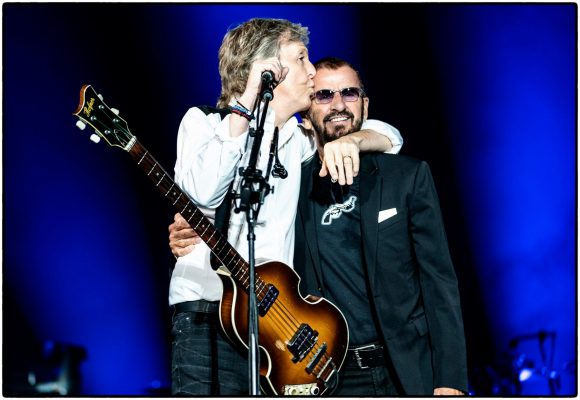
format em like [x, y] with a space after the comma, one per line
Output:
[199, 112]
[395, 168]
[204, 115]
[385, 162]
[209, 110]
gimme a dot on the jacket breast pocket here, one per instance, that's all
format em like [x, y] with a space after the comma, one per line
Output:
[394, 244]
[393, 220]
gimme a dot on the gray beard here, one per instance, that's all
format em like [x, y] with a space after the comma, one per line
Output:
[324, 136]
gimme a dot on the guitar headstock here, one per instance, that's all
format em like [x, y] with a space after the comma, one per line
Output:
[105, 121]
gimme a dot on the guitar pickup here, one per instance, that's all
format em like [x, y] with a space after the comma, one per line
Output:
[268, 299]
[302, 342]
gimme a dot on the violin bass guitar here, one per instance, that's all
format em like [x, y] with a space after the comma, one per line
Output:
[303, 341]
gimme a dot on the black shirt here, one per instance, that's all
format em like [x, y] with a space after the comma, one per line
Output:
[337, 212]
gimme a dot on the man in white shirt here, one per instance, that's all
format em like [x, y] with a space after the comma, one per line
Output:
[211, 148]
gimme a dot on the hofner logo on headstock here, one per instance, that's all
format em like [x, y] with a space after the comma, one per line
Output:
[89, 107]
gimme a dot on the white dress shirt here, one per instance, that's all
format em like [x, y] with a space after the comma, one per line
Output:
[207, 162]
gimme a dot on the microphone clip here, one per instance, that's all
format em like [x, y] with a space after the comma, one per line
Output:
[268, 85]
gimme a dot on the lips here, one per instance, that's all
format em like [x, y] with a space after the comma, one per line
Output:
[337, 118]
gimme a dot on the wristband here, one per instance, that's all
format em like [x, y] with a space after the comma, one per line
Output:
[242, 111]
[246, 109]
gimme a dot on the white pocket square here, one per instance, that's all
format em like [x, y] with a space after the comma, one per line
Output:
[386, 214]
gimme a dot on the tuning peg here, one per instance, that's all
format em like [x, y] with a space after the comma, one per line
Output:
[115, 111]
[81, 125]
[100, 96]
[95, 138]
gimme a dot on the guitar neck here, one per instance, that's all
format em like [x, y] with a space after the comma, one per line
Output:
[217, 243]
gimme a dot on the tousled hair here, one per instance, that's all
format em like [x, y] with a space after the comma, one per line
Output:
[255, 39]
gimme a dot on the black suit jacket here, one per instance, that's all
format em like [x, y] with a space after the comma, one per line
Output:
[413, 287]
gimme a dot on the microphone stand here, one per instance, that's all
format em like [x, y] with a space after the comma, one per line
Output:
[253, 189]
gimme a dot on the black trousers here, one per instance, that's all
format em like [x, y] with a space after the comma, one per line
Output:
[374, 381]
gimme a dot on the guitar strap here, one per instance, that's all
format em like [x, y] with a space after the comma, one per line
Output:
[222, 222]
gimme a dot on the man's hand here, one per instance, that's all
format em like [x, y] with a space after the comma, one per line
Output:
[182, 238]
[341, 156]
[341, 159]
[445, 391]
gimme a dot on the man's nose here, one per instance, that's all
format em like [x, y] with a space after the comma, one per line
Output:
[337, 102]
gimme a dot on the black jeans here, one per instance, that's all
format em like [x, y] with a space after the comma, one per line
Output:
[203, 360]
[355, 382]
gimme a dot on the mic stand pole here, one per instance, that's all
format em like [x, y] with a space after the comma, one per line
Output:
[254, 189]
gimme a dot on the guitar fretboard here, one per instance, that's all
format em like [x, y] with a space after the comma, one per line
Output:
[217, 243]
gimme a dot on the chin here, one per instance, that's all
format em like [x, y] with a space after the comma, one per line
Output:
[337, 133]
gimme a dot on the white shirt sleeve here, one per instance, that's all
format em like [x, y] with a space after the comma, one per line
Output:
[307, 145]
[207, 156]
[388, 130]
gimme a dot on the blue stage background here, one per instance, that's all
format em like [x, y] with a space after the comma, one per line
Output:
[486, 93]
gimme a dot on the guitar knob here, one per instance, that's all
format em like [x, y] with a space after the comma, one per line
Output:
[115, 111]
[81, 125]
[95, 138]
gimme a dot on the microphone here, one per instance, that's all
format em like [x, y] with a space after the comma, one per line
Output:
[267, 76]
[267, 90]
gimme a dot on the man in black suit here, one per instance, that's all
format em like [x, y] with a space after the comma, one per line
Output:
[377, 248]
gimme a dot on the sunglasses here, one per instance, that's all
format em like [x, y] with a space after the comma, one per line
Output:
[348, 94]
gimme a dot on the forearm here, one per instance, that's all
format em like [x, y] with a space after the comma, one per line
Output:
[387, 130]
[238, 123]
[369, 140]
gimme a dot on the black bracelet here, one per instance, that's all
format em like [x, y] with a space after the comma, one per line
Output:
[246, 109]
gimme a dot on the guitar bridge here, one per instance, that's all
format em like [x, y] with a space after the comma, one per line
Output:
[316, 358]
[302, 342]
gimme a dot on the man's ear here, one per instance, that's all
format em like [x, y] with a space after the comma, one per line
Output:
[306, 123]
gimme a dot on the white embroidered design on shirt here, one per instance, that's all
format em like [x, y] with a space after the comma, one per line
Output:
[336, 210]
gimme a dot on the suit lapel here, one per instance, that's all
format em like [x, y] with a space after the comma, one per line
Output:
[370, 192]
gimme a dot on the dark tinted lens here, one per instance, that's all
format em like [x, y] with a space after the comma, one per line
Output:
[350, 94]
[324, 96]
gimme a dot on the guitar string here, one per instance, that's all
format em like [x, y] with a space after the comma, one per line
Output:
[282, 311]
[190, 212]
[285, 316]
